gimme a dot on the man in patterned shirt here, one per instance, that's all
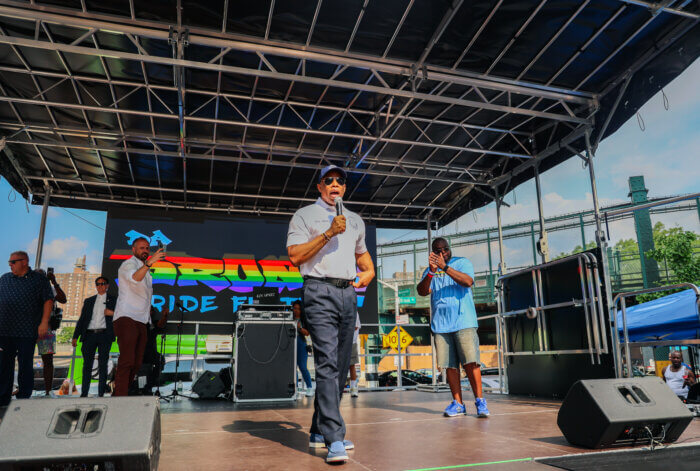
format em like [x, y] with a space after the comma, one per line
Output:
[26, 301]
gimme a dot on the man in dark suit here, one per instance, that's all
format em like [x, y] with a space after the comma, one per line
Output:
[95, 331]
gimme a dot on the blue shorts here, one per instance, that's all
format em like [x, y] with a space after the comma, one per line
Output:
[455, 349]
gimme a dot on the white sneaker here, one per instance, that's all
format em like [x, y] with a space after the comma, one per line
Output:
[354, 392]
[310, 392]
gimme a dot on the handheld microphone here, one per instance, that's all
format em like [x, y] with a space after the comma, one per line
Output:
[339, 206]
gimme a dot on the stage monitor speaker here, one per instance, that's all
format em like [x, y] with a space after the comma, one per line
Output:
[264, 360]
[208, 386]
[120, 433]
[601, 412]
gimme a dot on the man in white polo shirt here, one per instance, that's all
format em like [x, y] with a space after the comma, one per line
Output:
[328, 248]
[133, 312]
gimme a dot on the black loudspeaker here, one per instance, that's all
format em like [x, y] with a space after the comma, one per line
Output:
[209, 385]
[265, 360]
[120, 433]
[602, 412]
[226, 375]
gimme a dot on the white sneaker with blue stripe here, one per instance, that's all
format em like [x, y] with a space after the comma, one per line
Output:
[316, 441]
[337, 453]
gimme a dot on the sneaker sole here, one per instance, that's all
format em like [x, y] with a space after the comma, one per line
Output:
[323, 445]
[482, 416]
[455, 415]
[337, 459]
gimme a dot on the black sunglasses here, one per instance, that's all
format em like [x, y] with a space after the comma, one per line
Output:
[101, 284]
[441, 249]
[12, 262]
[328, 181]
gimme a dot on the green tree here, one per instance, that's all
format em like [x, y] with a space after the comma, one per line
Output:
[577, 249]
[675, 247]
[65, 334]
[627, 245]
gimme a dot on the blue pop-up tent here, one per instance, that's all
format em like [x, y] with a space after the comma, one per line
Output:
[673, 317]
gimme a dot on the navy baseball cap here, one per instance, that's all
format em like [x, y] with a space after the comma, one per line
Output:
[332, 167]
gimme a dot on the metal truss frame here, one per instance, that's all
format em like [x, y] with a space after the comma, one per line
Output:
[478, 146]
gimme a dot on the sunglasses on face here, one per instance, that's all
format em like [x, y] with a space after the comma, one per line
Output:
[328, 181]
[13, 261]
[441, 250]
[101, 284]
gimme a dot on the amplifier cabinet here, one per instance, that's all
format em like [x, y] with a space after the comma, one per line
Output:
[264, 360]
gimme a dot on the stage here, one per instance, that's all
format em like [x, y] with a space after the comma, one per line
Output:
[395, 431]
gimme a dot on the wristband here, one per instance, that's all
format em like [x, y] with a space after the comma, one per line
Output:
[431, 274]
[325, 236]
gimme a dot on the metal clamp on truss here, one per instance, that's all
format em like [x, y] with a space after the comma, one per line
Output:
[591, 300]
[413, 78]
[178, 35]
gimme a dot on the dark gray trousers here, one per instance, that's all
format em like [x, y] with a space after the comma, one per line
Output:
[329, 316]
[102, 342]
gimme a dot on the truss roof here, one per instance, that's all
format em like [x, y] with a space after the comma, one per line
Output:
[434, 107]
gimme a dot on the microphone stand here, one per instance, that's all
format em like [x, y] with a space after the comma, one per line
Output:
[161, 361]
[175, 393]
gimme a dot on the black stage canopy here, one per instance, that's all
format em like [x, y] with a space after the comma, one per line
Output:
[434, 107]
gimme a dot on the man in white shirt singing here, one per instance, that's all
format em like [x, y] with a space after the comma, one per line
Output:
[133, 312]
[94, 329]
[327, 247]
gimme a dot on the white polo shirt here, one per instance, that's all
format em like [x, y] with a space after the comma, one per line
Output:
[134, 299]
[337, 258]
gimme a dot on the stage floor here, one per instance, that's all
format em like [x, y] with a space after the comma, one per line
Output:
[391, 431]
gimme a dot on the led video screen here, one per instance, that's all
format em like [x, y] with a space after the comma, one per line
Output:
[215, 264]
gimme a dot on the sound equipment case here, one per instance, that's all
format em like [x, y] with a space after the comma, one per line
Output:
[264, 357]
[566, 337]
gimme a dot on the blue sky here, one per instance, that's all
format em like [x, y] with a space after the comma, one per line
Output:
[667, 153]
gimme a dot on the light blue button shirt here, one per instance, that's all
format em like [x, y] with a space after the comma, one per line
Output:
[452, 304]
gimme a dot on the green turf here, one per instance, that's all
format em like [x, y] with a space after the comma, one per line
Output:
[458, 466]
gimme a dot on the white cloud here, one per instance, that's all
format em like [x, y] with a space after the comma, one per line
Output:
[664, 172]
[60, 254]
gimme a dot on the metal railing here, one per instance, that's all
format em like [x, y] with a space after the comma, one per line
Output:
[400, 354]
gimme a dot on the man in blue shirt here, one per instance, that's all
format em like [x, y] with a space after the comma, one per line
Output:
[449, 280]
[26, 301]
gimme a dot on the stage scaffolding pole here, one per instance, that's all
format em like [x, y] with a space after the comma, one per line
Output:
[500, 321]
[543, 245]
[430, 309]
[501, 261]
[42, 227]
[603, 246]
